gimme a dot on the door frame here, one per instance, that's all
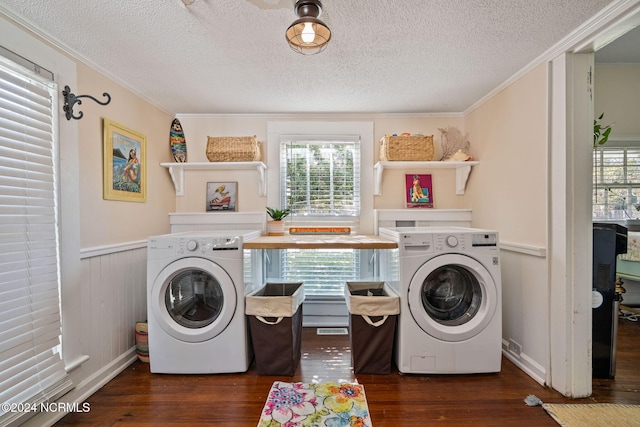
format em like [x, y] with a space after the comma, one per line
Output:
[569, 196]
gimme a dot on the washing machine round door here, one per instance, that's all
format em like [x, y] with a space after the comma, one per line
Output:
[452, 297]
[193, 299]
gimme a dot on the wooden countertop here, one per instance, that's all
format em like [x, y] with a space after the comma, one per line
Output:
[321, 241]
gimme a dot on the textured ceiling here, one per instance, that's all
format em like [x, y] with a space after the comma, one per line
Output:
[230, 56]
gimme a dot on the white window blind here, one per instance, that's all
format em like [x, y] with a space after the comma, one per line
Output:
[320, 181]
[323, 271]
[31, 369]
[320, 176]
[616, 182]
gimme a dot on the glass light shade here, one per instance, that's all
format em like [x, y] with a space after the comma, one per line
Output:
[308, 34]
[296, 36]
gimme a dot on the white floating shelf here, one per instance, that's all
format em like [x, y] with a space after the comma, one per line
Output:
[176, 170]
[463, 169]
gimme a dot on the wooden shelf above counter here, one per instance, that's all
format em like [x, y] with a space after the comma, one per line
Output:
[351, 241]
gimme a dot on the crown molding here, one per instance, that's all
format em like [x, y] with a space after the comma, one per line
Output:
[341, 116]
[608, 24]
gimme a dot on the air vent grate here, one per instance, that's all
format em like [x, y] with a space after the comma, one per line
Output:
[332, 331]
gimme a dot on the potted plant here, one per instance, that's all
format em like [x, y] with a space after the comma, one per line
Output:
[600, 133]
[275, 227]
[600, 136]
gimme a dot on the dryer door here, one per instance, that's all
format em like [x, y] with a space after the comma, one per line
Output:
[193, 299]
[452, 297]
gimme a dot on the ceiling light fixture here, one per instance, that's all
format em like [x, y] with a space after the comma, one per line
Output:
[308, 35]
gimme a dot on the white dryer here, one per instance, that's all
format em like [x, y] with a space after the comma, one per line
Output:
[195, 302]
[448, 279]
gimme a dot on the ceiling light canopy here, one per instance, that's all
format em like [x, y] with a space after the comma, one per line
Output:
[308, 35]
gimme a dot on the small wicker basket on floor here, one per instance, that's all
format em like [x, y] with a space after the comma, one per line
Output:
[406, 148]
[233, 149]
[142, 341]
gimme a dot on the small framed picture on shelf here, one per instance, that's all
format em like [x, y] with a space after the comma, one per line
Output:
[419, 191]
[222, 196]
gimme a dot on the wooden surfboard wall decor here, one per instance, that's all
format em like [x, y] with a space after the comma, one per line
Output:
[177, 142]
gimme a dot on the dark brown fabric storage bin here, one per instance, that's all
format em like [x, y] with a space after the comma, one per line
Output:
[373, 314]
[275, 324]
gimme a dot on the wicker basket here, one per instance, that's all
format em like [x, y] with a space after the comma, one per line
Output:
[406, 148]
[233, 149]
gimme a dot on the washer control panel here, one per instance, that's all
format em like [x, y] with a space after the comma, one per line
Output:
[460, 242]
[452, 241]
[414, 241]
[449, 241]
[484, 240]
[209, 244]
[417, 242]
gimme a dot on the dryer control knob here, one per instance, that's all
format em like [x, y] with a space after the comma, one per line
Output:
[192, 245]
[452, 241]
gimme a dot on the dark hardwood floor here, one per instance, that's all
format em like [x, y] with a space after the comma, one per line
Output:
[138, 398]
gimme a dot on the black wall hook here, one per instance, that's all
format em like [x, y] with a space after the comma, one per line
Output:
[71, 99]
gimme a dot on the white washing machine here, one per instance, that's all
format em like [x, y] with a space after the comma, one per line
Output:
[448, 279]
[196, 286]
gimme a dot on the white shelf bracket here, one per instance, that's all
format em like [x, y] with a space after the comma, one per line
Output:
[177, 176]
[262, 188]
[462, 175]
[377, 182]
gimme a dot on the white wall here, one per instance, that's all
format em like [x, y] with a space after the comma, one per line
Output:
[198, 127]
[509, 194]
[103, 243]
[617, 95]
[108, 222]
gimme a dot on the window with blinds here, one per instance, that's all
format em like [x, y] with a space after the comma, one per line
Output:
[320, 176]
[323, 271]
[616, 182]
[320, 181]
[31, 369]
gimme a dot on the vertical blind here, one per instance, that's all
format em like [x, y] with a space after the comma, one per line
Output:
[31, 369]
[320, 178]
[616, 182]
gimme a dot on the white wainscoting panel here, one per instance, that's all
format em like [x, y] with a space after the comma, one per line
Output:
[196, 221]
[114, 299]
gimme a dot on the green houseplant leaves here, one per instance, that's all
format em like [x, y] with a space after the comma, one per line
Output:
[600, 133]
[277, 214]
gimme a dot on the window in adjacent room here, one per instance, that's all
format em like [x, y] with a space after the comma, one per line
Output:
[616, 181]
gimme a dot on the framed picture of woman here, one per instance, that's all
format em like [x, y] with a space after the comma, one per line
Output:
[125, 168]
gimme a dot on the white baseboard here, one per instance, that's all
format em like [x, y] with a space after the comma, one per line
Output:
[86, 388]
[525, 363]
[325, 321]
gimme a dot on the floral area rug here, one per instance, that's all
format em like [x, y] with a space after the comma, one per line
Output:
[315, 405]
